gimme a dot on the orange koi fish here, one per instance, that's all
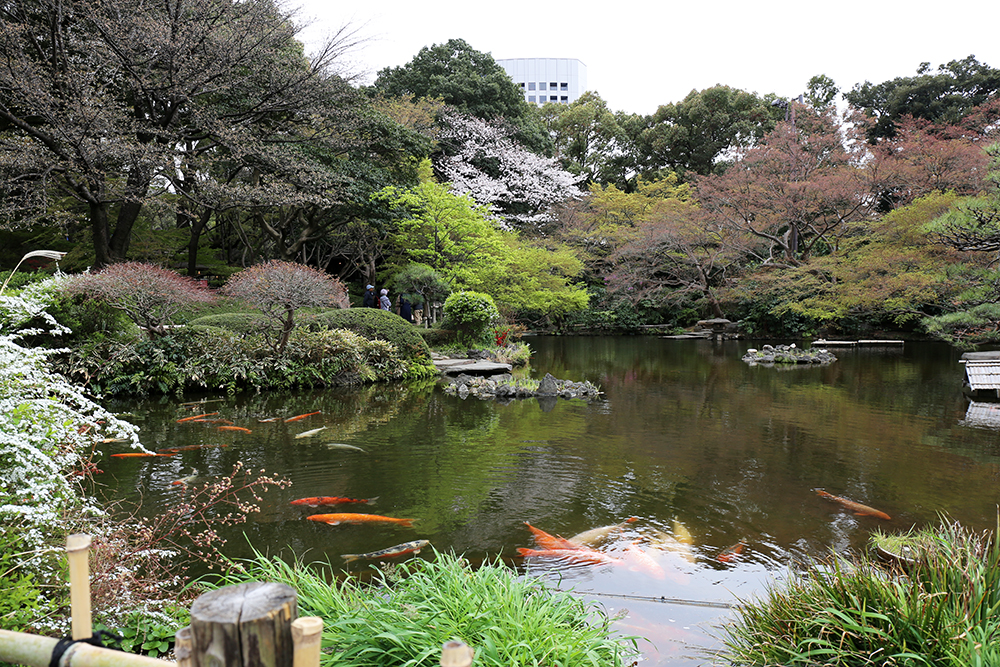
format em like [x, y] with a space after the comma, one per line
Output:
[575, 555]
[644, 562]
[546, 541]
[184, 481]
[192, 418]
[857, 508]
[331, 500]
[234, 428]
[298, 417]
[729, 554]
[130, 455]
[347, 517]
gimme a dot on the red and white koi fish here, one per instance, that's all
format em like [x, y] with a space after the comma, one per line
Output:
[595, 535]
[184, 481]
[857, 508]
[413, 547]
[546, 541]
[234, 428]
[193, 418]
[298, 417]
[574, 555]
[318, 501]
[348, 517]
[729, 554]
[642, 561]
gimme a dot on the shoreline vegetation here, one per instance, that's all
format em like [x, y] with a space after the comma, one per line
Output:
[836, 612]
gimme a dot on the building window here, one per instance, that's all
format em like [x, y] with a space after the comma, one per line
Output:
[563, 86]
[564, 99]
[553, 98]
[531, 98]
[552, 86]
[521, 84]
[531, 86]
[541, 86]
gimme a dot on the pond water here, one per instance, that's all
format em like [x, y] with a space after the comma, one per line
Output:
[688, 439]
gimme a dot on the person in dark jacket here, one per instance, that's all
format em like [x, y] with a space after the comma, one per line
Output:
[368, 301]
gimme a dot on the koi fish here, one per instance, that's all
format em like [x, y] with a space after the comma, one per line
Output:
[130, 455]
[214, 421]
[298, 417]
[644, 562]
[331, 500]
[546, 541]
[184, 481]
[309, 434]
[575, 555]
[234, 428]
[107, 440]
[857, 508]
[269, 419]
[339, 445]
[595, 535]
[335, 519]
[192, 418]
[187, 448]
[405, 548]
[729, 554]
[682, 534]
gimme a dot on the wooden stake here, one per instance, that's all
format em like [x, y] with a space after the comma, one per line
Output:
[307, 633]
[184, 647]
[245, 625]
[77, 549]
[456, 654]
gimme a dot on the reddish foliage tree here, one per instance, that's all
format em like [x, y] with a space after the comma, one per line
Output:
[793, 191]
[278, 289]
[148, 294]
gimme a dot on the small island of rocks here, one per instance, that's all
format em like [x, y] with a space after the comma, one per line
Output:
[506, 387]
[787, 354]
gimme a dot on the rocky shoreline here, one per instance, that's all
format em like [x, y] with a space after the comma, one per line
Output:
[503, 386]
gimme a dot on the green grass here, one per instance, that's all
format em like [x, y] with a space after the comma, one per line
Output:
[943, 610]
[406, 613]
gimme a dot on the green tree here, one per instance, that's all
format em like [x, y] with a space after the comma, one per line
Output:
[696, 134]
[944, 96]
[469, 80]
[588, 139]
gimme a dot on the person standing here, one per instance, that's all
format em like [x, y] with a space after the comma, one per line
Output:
[368, 301]
[383, 301]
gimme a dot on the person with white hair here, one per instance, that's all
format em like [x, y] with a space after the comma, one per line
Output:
[383, 301]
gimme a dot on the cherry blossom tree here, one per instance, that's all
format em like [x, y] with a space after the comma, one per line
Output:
[483, 160]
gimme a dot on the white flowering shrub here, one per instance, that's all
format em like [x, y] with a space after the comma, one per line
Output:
[48, 427]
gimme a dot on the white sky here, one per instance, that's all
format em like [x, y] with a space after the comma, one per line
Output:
[643, 53]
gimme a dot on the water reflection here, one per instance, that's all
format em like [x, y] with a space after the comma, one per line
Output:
[686, 434]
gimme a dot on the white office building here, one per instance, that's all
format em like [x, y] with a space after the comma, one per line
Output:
[543, 80]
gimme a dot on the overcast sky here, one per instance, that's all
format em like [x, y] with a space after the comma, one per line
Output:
[641, 53]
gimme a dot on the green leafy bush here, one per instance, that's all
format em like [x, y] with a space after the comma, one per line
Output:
[471, 315]
[375, 324]
[241, 323]
[21, 592]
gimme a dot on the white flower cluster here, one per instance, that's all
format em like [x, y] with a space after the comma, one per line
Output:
[47, 428]
[487, 163]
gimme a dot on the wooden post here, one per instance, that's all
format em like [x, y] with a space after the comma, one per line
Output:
[184, 647]
[307, 633]
[456, 654]
[246, 625]
[77, 549]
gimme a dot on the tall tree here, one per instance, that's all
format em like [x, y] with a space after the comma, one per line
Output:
[589, 140]
[696, 134]
[469, 80]
[105, 103]
[944, 96]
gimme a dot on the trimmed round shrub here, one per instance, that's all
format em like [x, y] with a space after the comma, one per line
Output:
[471, 315]
[241, 323]
[374, 324]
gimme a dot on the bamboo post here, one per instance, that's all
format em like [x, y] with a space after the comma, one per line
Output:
[19, 648]
[455, 653]
[246, 625]
[307, 633]
[77, 549]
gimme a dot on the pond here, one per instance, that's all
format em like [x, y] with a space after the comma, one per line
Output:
[702, 449]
